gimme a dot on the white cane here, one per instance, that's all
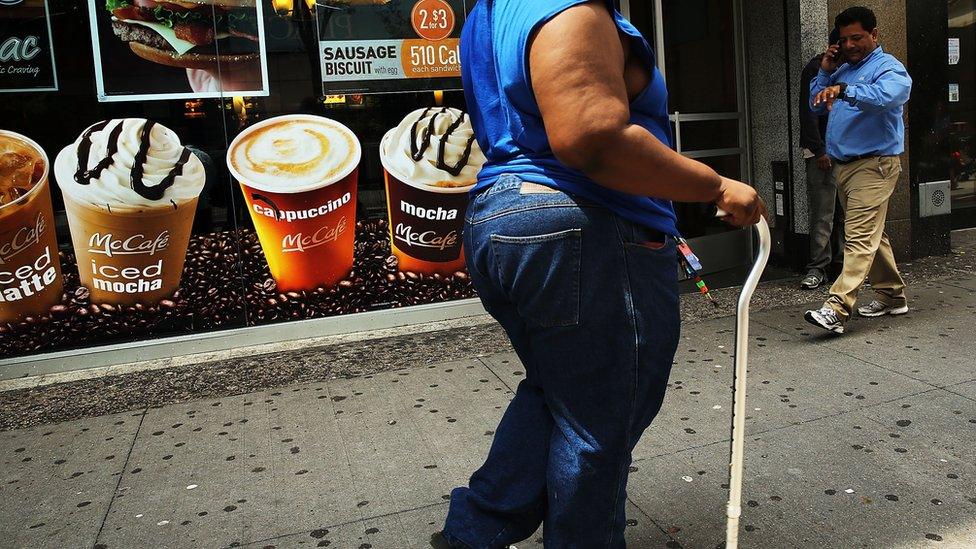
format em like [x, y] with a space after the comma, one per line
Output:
[734, 510]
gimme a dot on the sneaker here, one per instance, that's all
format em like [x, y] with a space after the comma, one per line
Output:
[877, 308]
[812, 281]
[826, 318]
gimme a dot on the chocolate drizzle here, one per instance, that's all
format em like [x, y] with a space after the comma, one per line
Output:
[417, 151]
[177, 171]
[157, 191]
[83, 176]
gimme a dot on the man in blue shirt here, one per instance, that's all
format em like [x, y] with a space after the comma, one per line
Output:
[865, 90]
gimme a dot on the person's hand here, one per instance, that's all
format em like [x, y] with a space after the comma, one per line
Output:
[828, 96]
[741, 203]
[824, 163]
[830, 59]
[248, 78]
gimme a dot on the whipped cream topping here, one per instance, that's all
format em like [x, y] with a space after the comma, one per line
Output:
[294, 154]
[435, 147]
[128, 164]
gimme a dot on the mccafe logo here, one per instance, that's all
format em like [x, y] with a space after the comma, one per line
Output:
[137, 244]
[299, 242]
[266, 207]
[23, 239]
[426, 239]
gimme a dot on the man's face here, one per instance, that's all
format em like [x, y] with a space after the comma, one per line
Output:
[856, 43]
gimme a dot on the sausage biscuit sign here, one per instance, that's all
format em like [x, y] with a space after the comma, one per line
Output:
[378, 46]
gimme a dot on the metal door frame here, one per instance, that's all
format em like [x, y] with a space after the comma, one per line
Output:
[743, 150]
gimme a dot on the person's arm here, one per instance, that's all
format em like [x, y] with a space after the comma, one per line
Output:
[890, 90]
[809, 122]
[817, 86]
[822, 91]
[580, 89]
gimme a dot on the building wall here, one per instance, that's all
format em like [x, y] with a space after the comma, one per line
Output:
[776, 50]
[765, 64]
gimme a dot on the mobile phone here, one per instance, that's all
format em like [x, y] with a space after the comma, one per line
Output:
[839, 55]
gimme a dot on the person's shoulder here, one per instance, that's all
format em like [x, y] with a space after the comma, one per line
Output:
[532, 11]
[889, 61]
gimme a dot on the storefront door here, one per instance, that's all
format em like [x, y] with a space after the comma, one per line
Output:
[962, 111]
[700, 41]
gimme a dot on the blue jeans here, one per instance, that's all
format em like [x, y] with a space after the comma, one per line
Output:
[590, 303]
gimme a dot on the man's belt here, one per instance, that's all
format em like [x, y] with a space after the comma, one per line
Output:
[856, 158]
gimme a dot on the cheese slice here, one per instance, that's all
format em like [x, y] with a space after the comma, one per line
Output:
[181, 46]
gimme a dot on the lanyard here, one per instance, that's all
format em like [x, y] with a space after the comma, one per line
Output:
[692, 267]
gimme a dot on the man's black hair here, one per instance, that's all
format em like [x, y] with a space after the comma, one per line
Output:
[857, 14]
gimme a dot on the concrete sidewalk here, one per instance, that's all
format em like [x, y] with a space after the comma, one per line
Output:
[863, 441]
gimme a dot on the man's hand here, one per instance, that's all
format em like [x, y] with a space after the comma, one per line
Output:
[830, 58]
[824, 163]
[828, 96]
[741, 202]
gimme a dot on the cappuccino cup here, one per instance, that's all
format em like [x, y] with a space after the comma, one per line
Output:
[299, 176]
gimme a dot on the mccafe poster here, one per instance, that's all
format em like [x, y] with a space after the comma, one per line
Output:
[195, 49]
[26, 51]
[381, 46]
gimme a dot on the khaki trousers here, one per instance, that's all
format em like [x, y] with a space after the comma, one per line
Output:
[864, 188]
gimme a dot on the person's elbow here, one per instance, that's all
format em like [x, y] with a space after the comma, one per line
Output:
[586, 149]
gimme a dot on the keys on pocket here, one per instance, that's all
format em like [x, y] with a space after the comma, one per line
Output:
[692, 267]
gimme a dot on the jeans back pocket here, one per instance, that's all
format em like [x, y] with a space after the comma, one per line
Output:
[541, 275]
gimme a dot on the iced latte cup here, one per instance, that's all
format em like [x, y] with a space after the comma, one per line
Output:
[130, 192]
[30, 271]
[431, 161]
[299, 174]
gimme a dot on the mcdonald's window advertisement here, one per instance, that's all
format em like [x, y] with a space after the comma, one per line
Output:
[26, 47]
[379, 46]
[149, 50]
[130, 220]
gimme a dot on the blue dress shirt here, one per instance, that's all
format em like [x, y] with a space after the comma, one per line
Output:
[869, 120]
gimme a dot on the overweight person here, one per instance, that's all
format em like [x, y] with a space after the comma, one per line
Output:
[570, 242]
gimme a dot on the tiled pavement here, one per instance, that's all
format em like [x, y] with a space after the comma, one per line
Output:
[863, 441]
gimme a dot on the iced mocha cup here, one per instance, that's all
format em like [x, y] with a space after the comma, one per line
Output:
[130, 190]
[431, 161]
[30, 270]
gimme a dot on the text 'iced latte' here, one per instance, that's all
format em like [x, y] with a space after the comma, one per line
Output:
[130, 190]
[431, 161]
[299, 177]
[30, 270]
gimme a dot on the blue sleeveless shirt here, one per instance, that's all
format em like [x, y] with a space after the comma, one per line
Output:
[507, 120]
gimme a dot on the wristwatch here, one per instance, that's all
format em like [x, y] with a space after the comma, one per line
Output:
[843, 90]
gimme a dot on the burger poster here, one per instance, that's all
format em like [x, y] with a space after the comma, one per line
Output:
[379, 46]
[26, 54]
[178, 49]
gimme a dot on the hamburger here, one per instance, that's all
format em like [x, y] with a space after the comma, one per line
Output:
[191, 34]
